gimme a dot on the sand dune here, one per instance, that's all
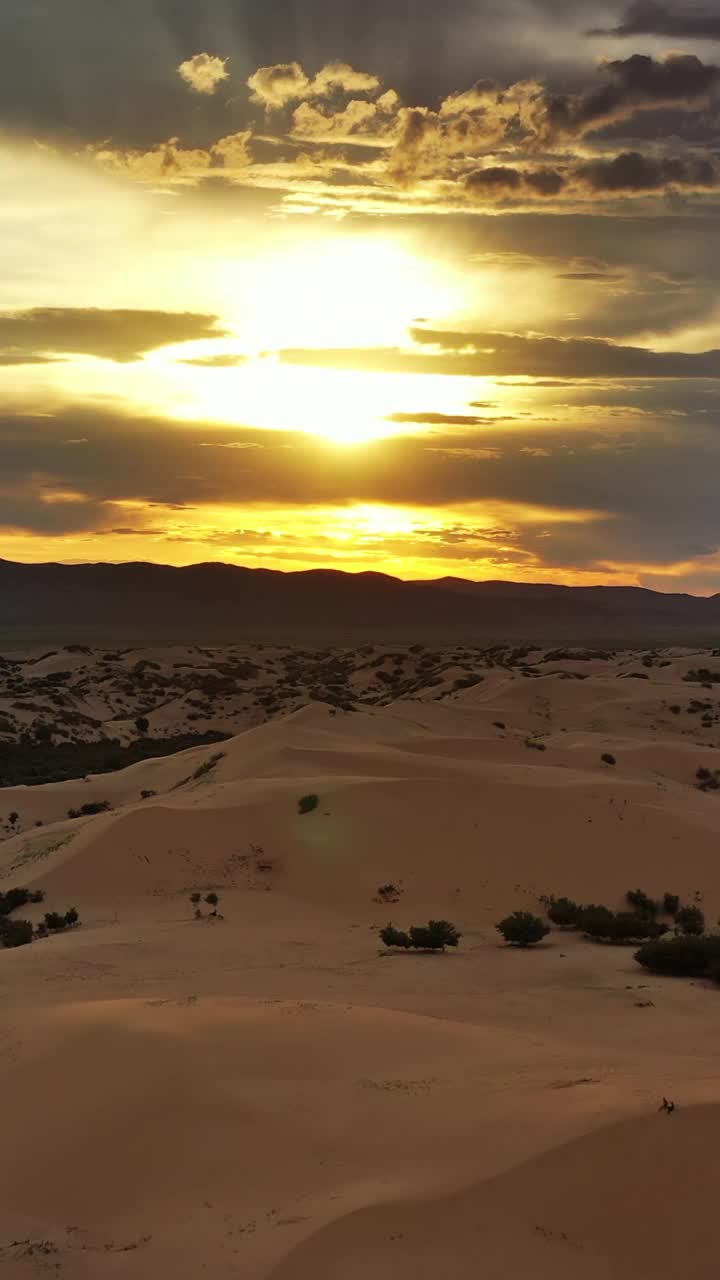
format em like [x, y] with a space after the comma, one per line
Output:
[269, 1094]
[627, 1200]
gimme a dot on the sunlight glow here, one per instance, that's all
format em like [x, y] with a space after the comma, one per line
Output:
[343, 291]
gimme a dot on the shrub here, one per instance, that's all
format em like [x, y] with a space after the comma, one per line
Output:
[499, 724]
[72, 917]
[54, 922]
[623, 926]
[522, 929]
[90, 809]
[212, 901]
[641, 902]
[15, 898]
[564, 913]
[684, 957]
[15, 933]
[12, 818]
[306, 804]
[435, 936]
[147, 795]
[671, 904]
[196, 898]
[632, 926]
[608, 759]
[388, 893]
[690, 921]
[596, 921]
[142, 724]
[392, 937]
[707, 781]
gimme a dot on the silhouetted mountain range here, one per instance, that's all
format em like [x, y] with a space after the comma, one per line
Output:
[136, 604]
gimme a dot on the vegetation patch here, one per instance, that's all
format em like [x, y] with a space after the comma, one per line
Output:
[437, 935]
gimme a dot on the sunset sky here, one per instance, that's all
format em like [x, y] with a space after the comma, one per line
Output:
[427, 289]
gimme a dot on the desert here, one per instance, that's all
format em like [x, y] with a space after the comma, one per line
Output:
[257, 1086]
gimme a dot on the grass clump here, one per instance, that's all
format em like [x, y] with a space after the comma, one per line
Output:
[306, 804]
[207, 766]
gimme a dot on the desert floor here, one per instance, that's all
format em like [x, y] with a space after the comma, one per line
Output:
[269, 1093]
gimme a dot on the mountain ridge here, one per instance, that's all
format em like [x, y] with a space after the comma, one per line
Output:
[215, 602]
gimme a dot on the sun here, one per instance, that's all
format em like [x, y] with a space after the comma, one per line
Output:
[340, 292]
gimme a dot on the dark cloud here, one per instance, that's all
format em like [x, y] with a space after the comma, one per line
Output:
[638, 83]
[427, 418]
[8, 359]
[632, 171]
[216, 362]
[502, 180]
[589, 275]
[656, 483]
[649, 18]
[26, 336]
[506, 355]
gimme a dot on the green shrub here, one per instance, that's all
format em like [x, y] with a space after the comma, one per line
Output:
[392, 937]
[689, 956]
[634, 926]
[622, 926]
[212, 901]
[564, 913]
[522, 929]
[15, 933]
[596, 921]
[641, 903]
[671, 904]
[608, 759]
[306, 804]
[54, 922]
[690, 920]
[90, 809]
[71, 917]
[15, 898]
[435, 936]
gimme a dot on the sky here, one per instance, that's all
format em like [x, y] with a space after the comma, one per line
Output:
[423, 289]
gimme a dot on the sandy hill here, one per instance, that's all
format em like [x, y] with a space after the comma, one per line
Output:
[267, 1093]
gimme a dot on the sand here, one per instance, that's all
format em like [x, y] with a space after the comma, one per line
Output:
[269, 1094]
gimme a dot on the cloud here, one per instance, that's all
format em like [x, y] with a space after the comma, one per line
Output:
[120, 335]
[170, 162]
[275, 87]
[545, 489]
[203, 72]
[638, 83]
[216, 362]
[506, 355]
[427, 418]
[9, 359]
[501, 180]
[648, 18]
[630, 171]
